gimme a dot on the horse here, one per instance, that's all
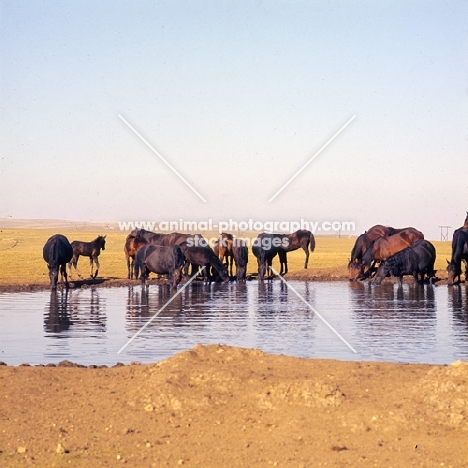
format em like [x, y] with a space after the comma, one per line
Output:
[204, 256]
[161, 260]
[240, 252]
[363, 242]
[150, 237]
[88, 249]
[57, 252]
[459, 253]
[132, 245]
[417, 260]
[265, 247]
[384, 247]
[300, 239]
[224, 250]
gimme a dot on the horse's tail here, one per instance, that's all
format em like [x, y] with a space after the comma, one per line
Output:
[311, 242]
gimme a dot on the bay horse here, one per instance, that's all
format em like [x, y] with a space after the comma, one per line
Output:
[365, 241]
[57, 252]
[384, 247]
[132, 245]
[224, 250]
[88, 249]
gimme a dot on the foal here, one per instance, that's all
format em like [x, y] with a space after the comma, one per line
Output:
[88, 249]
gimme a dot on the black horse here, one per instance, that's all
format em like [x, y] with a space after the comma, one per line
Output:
[163, 260]
[459, 253]
[57, 252]
[88, 249]
[265, 247]
[241, 258]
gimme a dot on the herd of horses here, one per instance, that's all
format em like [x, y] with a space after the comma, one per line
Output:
[380, 252]
[399, 252]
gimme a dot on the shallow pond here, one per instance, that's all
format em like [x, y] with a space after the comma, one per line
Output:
[90, 326]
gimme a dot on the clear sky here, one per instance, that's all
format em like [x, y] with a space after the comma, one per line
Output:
[237, 96]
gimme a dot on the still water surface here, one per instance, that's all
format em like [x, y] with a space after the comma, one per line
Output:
[89, 326]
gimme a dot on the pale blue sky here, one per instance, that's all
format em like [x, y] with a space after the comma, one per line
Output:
[237, 96]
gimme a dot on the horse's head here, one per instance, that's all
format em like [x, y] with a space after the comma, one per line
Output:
[53, 275]
[356, 270]
[102, 242]
[453, 271]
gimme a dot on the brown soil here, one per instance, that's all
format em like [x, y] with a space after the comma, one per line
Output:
[217, 406]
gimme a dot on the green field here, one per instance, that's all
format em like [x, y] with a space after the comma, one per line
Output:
[21, 260]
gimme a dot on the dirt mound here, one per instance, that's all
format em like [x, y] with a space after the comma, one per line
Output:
[445, 393]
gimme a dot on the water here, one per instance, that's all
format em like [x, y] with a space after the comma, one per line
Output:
[89, 326]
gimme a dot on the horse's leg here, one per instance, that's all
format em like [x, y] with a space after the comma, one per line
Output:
[129, 269]
[269, 263]
[306, 250]
[143, 271]
[283, 262]
[75, 264]
[231, 260]
[96, 259]
[63, 271]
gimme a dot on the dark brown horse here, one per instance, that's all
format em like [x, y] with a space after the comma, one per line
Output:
[177, 238]
[151, 237]
[132, 245]
[199, 256]
[384, 247]
[266, 246]
[88, 249]
[301, 239]
[241, 258]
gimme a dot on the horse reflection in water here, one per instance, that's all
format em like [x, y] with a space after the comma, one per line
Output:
[458, 303]
[56, 315]
[144, 303]
[390, 309]
[276, 298]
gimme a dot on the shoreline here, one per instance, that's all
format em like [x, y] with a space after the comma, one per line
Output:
[319, 275]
